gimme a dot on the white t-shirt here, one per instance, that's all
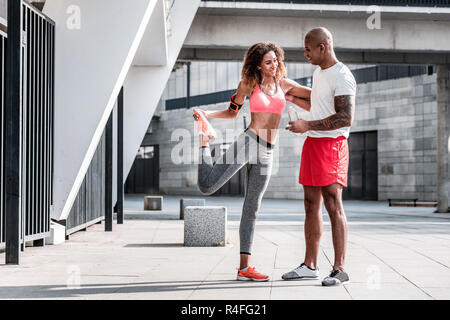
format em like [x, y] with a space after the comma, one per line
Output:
[334, 81]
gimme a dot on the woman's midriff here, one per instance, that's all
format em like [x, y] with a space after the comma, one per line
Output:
[265, 125]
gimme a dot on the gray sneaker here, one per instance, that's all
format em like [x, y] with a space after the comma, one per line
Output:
[335, 278]
[302, 272]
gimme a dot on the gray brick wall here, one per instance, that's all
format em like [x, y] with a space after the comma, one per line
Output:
[404, 114]
[402, 111]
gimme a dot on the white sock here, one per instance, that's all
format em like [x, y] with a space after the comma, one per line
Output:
[245, 269]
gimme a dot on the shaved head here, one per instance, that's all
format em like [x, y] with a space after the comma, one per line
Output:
[318, 36]
[319, 47]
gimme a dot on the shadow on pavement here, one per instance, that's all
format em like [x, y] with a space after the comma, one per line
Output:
[59, 291]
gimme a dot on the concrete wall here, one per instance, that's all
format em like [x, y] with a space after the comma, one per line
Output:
[3, 9]
[403, 112]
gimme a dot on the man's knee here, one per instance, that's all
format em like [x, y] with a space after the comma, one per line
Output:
[336, 213]
[313, 204]
[333, 204]
[312, 200]
[334, 208]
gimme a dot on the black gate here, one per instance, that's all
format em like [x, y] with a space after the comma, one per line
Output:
[144, 174]
[363, 167]
[36, 161]
[2, 103]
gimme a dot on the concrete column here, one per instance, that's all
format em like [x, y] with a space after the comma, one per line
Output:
[443, 136]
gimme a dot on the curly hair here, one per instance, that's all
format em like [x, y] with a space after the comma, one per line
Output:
[253, 58]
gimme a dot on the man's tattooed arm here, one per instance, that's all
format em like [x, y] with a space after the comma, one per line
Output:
[345, 108]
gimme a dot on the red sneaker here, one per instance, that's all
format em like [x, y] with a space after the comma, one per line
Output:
[251, 275]
[203, 125]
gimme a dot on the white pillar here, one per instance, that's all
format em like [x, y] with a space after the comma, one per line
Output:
[443, 136]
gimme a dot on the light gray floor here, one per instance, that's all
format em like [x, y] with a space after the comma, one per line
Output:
[393, 253]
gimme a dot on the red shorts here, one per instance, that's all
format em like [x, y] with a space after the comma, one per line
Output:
[324, 162]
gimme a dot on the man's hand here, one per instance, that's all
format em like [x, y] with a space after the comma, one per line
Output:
[298, 126]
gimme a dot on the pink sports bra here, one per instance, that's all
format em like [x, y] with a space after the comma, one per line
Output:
[261, 102]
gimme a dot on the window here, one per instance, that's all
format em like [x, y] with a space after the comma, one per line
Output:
[145, 152]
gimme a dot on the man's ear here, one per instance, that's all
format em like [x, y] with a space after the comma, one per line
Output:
[322, 48]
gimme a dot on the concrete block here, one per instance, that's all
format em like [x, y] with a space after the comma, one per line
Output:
[205, 226]
[190, 202]
[153, 202]
[57, 234]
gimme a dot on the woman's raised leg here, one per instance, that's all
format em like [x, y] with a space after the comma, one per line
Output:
[212, 176]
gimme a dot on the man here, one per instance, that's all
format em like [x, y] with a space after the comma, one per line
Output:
[324, 163]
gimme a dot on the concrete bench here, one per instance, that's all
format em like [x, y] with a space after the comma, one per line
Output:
[402, 202]
[190, 202]
[153, 202]
[205, 226]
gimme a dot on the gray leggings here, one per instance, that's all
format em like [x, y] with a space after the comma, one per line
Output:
[257, 155]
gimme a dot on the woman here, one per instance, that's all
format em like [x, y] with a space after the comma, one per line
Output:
[263, 80]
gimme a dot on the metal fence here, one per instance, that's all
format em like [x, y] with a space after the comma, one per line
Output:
[364, 75]
[410, 3]
[381, 73]
[37, 124]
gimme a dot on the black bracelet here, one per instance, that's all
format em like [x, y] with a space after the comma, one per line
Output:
[233, 105]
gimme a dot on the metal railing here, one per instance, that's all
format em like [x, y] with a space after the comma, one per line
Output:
[36, 162]
[410, 3]
[381, 73]
[364, 75]
[89, 205]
